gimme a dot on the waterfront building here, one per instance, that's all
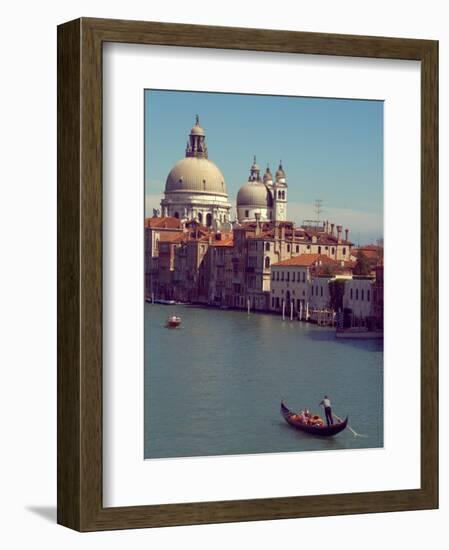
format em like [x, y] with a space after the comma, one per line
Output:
[358, 299]
[195, 188]
[294, 285]
[156, 230]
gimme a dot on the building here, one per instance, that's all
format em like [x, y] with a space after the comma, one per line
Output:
[264, 198]
[358, 300]
[195, 188]
[157, 230]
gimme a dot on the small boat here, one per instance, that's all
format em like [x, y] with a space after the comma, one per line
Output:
[324, 430]
[173, 322]
[164, 302]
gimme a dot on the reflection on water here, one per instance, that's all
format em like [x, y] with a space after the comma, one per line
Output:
[214, 386]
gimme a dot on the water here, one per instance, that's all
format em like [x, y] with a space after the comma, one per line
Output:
[214, 386]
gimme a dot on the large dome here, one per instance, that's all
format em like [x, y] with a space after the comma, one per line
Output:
[198, 175]
[253, 193]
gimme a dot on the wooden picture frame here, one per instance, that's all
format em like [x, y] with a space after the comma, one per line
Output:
[80, 351]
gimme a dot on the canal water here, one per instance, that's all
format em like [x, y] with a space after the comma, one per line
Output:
[214, 385]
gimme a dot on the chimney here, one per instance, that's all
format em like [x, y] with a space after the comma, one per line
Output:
[339, 230]
[346, 234]
[257, 216]
[332, 228]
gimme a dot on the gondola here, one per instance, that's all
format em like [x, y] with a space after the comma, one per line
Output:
[314, 430]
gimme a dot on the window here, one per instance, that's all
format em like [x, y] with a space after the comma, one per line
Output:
[293, 277]
[200, 217]
[321, 291]
[356, 293]
[246, 213]
[297, 248]
[267, 262]
[277, 276]
[303, 276]
[272, 276]
[177, 215]
[319, 250]
[312, 291]
[282, 276]
[362, 294]
[209, 219]
[288, 248]
[308, 247]
[332, 251]
[272, 302]
[344, 251]
[368, 295]
[288, 275]
[267, 246]
[350, 293]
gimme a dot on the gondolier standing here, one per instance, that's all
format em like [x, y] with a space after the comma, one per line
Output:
[328, 410]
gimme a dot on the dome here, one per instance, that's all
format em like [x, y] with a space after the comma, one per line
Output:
[253, 194]
[197, 175]
[280, 172]
[197, 131]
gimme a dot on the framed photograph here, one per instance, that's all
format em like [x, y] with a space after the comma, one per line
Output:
[247, 274]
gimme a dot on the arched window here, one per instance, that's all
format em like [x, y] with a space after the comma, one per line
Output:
[267, 246]
[177, 215]
[209, 219]
[267, 262]
[200, 217]
[283, 194]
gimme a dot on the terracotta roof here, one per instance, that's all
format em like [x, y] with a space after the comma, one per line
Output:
[166, 222]
[306, 260]
[172, 236]
[229, 241]
[370, 251]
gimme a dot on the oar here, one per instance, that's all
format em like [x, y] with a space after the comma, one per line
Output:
[353, 431]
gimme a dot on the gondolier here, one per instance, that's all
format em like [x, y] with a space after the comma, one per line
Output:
[328, 410]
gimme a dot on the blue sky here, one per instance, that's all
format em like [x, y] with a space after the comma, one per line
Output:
[331, 149]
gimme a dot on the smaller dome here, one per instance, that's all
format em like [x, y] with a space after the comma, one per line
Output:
[267, 176]
[253, 193]
[197, 130]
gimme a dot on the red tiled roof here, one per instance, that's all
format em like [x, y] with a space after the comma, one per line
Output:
[166, 222]
[172, 236]
[224, 242]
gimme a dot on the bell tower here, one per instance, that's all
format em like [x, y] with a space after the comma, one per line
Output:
[280, 195]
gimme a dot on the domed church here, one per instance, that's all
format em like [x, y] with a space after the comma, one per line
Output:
[195, 188]
[265, 197]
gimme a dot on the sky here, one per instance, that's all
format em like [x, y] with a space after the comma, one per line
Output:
[331, 149]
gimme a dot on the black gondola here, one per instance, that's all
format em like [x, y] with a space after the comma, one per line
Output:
[314, 430]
